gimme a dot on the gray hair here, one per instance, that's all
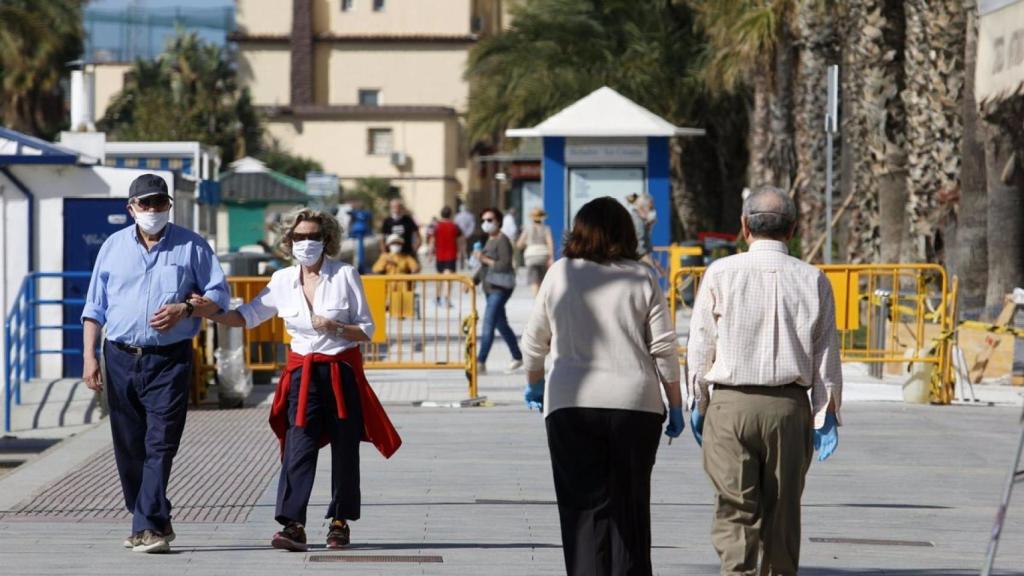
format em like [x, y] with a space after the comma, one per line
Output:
[770, 213]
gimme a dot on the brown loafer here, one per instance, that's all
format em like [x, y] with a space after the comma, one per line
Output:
[291, 538]
[339, 535]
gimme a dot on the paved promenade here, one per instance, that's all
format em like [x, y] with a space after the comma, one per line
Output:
[912, 490]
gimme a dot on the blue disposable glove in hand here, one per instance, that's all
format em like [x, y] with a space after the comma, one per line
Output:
[675, 422]
[826, 438]
[534, 395]
[697, 425]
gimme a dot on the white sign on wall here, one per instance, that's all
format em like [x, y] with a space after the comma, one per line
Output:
[606, 152]
[1000, 66]
[586, 184]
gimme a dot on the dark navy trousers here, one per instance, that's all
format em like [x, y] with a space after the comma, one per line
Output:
[301, 446]
[148, 396]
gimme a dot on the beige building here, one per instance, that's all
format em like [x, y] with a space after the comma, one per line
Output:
[370, 88]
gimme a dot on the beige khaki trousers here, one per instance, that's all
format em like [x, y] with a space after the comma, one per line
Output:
[758, 443]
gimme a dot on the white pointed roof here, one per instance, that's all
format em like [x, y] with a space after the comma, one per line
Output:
[248, 165]
[603, 113]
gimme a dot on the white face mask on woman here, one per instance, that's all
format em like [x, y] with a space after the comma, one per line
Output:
[151, 222]
[488, 227]
[395, 248]
[307, 252]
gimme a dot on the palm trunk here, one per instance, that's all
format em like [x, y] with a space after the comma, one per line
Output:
[884, 121]
[816, 49]
[759, 172]
[970, 251]
[1005, 217]
[782, 161]
[935, 38]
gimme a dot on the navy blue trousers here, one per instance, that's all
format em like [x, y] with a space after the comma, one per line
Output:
[302, 445]
[148, 396]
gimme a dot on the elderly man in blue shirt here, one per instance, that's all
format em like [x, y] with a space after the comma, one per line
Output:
[141, 283]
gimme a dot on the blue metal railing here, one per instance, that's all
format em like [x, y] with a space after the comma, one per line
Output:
[20, 332]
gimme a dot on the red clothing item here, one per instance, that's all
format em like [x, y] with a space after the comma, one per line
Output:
[377, 427]
[446, 238]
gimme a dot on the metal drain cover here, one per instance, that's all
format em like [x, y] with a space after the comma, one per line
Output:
[376, 558]
[873, 542]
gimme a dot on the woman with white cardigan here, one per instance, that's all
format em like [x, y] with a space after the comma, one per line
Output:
[603, 318]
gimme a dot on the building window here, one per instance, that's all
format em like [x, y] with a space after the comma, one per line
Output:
[346, 5]
[379, 141]
[369, 97]
[378, 5]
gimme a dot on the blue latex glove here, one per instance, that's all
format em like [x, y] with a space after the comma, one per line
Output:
[534, 395]
[675, 422]
[697, 425]
[826, 438]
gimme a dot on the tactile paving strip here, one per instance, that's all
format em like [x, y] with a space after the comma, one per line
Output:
[226, 460]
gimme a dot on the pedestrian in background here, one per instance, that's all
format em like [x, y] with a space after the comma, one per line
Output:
[401, 223]
[446, 242]
[603, 317]
[640, 214]
[323, 396]
[395, 260]
[499, 280]
[466, 222]
[538, 248]
[143, 277]
[509, 226]
[763, 333]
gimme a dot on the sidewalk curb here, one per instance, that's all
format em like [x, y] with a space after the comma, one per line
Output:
[52, 464]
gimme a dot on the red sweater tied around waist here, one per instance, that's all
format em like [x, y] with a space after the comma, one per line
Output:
[377, 427]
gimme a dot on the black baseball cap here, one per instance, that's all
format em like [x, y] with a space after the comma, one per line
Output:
[148, 185]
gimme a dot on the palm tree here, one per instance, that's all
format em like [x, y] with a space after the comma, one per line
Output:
[970, 247]
[1004, 148]
[190, 92]
[817, 47]
[37, 40]
[557, 51]
[752, 43]
[935, 37]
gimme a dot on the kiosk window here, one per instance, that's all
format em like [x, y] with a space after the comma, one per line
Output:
[586, 184]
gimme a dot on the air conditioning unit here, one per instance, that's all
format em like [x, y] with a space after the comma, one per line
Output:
[399, 159]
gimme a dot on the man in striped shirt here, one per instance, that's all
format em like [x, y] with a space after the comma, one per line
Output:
[763, 335]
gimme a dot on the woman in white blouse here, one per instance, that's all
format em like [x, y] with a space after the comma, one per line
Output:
[323, 396]
[604, 320]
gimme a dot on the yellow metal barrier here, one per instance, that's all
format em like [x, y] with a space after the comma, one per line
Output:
[423, 321]
[885, 314]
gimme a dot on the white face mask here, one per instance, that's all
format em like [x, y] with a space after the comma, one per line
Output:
[307, 252]
[395, 249]
[151, 222]
[488, 227]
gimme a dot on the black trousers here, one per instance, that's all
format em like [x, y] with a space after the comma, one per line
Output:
[148, 396]
[302, 445]
[602, 461]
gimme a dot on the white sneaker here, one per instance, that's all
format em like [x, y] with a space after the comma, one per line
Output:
[515, 365]
[481, 369]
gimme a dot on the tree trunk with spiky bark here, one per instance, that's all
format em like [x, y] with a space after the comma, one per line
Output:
[1004, 151]
[970, 251]
[759, 172]
[883, 121]
[817, 48]
[935, 36]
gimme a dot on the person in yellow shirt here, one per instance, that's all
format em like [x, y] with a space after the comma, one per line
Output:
[394, 261]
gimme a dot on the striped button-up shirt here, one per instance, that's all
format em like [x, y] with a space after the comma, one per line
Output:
[764, 318]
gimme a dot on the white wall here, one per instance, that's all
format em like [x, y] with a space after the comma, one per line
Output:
[50, 185]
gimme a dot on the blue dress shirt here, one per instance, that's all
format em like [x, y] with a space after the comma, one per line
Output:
[129, 284]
